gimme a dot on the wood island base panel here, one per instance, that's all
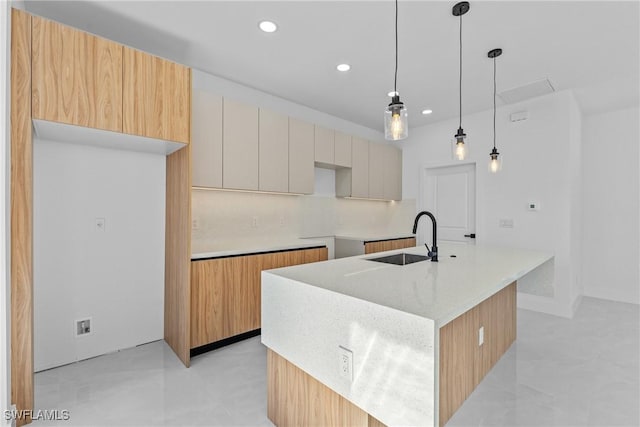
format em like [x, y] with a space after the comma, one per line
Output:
[295, 398]
[463, 362]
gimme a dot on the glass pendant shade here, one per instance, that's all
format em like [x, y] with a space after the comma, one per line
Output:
[460, 146]
[396, 124]
[495, 161]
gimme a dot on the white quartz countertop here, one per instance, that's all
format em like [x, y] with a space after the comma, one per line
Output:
[223, 248]
[366, 237]
[438, 291]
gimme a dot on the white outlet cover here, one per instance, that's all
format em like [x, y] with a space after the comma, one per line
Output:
[481, 336]
[345, 363]
[101, 224]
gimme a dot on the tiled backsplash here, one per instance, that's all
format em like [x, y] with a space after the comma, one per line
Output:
[227, 215]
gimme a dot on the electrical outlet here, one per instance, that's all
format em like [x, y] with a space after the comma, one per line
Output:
[281, 221]
[195, 224]
[254, 222]
[345, 365]
[480, 336]
[83, 327]
[100, 224]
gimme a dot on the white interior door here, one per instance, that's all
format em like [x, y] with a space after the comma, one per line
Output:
[449, 192]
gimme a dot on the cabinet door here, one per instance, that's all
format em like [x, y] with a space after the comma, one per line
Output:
[206, 141]
[274, 151]
[324, 145]
[77, 77]
[377, 167]
[208, 319]
[342, 151]
[301, 157]
[240, 146]
[393, 173]
[359, 167]
[156, 97]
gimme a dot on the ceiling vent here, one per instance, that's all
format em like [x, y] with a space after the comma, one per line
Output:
[528, 91]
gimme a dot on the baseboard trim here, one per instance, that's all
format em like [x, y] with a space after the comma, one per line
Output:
[546, 305]
[222, 343]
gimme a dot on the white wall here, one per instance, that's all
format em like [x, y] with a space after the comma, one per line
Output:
[5, 167]
[237, 92]
[610, 205]
[115, 276]
[538, 166]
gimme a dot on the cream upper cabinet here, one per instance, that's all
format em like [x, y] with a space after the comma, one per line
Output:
[206, 139]
[393, 173]
[301, 157]
[377, 167]
[324, 145]
[359, 167]
[274, 151]
[342, 150]
[240, 146]
[354, 181]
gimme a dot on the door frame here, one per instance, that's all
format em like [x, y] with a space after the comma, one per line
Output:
[425, 167]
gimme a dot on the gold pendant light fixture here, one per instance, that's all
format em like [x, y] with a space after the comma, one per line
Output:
[460, 146]
[495, 162]
[396, 126]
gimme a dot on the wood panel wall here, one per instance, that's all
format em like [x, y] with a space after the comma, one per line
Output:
[463, 363]
[295, 398]
[177, 290]
[21, 215]
[389, 245]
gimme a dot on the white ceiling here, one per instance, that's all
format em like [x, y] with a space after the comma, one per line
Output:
[592, 47]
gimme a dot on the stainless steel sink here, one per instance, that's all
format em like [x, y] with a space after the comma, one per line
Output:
[400, 259]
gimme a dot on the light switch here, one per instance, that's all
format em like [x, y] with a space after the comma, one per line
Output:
[533, 206]
[100, 224]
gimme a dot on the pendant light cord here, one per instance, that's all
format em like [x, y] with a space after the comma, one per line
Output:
[494, 103]
[460, 124]
[395, 79]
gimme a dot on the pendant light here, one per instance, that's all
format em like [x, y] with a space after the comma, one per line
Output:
[495, 162]
[396, 125]
[460, 149]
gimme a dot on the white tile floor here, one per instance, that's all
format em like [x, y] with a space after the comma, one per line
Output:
[560, 372]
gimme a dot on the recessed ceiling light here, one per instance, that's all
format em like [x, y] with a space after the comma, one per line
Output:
[425, 112]
[393, 93]
[343, 67]
[268, 26]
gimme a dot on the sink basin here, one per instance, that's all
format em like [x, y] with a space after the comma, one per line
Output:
[400, 259]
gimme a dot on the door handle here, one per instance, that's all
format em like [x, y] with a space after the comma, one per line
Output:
[472, 235]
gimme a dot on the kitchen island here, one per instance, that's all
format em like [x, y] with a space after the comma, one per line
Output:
[358, 342]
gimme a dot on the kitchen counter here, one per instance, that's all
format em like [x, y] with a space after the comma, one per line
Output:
[374, 237]
[389, 316]
[234, 247]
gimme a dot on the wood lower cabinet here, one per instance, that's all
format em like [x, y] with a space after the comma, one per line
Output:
[225, 292]
[76, 77]
[389, 245]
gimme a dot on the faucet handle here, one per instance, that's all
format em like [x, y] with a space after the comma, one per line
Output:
[429, 253]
